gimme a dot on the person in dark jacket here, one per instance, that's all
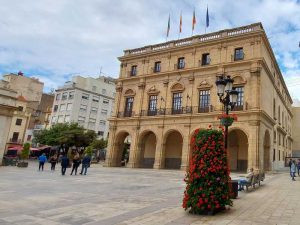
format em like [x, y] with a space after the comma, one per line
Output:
[53, 161]
[42, 160]
[64, 164]
[86, 161]
[76, 163]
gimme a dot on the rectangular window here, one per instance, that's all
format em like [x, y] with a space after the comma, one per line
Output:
[20, 108]
[58, 96]
[180, 63]
[81, 120]
[204, 101]
[55, 108]
[157, 67]
[19, 122]
[60, 119]
[177, 103]
[205, 59]
[91, 120]
[85, 96]
[133, 71]
[152, 110]
[53, 119]
[69, 106]
[95, 98]
[278, 155]
[71, 95]
[104, 112]
[105, 101]
[240, 99]
[100, 133]
[274, 154]
[62, 107]
[128, 107]
[15, 137]
[238, 54]
[102, 122]
[94, 110]
[64, 96]
[67, 118]
[83, 108]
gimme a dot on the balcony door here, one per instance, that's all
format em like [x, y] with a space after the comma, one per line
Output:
[177, 103]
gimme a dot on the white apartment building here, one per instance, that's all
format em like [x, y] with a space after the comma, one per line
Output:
[87, 101]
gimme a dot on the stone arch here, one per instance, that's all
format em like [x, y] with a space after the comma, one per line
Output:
[267, 151]
[172, 149]
[122, 148]
[177, 87]
[147, 148]
[237, 149]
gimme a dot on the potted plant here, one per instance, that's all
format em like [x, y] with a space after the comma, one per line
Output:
[24, 155]
[227, 120]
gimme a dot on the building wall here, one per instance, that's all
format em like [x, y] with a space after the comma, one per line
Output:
[255, 73]
[296, 129]
[100, 96]
[7, 107]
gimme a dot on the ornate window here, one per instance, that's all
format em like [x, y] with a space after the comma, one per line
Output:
[133, 71]
[238, 54]
[205, 59]
[152, 110]
[157, 67]
[177, 103]
[240, 99]
[180, 63]
[128, 107]
[204, 101]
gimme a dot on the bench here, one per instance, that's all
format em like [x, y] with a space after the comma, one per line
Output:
[257, 178]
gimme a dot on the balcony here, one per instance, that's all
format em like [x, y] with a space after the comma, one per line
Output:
[15, 141]
[126, 114]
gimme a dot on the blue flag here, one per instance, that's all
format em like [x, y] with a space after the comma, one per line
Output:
[207, 18]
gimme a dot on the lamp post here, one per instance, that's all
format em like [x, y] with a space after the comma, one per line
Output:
[227, 96]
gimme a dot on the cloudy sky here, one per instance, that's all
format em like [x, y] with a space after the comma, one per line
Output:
[55, 39]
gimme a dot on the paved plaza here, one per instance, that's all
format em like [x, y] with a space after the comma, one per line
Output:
[124, 196]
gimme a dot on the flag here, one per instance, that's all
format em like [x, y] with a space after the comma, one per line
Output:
[207, 18]
[194, 20]
[168, 29]
[180, 25]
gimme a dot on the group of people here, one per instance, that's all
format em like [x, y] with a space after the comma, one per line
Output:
[293, 167]
[65, 162]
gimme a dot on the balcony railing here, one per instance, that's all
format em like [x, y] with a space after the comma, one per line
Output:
[126, 114]
[15, 141]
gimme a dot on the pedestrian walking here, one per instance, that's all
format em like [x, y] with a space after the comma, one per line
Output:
[86, 161]
[76, 163]
[293, 169]
[290, 164]
[53, 161]
[64, 164]
[298, 167]
[42, 160]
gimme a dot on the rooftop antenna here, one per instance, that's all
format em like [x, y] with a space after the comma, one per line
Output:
[100, 71]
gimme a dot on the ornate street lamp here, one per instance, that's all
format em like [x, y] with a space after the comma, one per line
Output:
[227, 96]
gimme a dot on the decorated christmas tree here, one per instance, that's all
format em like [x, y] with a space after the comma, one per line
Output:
[208, 180]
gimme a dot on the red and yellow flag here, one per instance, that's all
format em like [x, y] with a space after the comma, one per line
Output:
[194, 20]
[180, 25]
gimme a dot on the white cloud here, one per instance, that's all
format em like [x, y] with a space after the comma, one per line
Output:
[63, 37]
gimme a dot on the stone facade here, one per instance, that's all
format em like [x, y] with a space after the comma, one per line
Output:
[296, 131]
[167, 91]
[8, 100]
[87, 101]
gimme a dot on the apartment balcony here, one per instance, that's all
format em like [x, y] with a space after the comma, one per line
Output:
[15, 141]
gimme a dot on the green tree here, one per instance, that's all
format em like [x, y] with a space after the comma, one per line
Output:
[99, 144]
[25, 151]
[89, 151]
[69, 134]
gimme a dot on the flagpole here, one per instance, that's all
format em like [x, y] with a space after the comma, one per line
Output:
[180, 25]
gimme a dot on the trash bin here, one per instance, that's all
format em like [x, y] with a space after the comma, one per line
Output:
[234, 188]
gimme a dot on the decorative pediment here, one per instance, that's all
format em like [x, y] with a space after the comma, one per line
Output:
[238, 80]
[129, 92]
[204, 85]
[177, 87]
[153, 91]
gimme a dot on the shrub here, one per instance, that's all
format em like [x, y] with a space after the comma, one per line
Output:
[208, 180]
